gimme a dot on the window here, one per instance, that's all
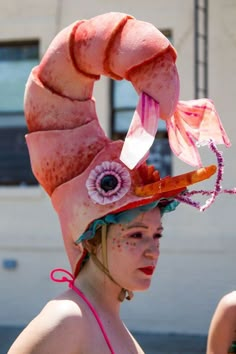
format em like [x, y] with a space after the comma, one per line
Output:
[124, 100]
[16, 62]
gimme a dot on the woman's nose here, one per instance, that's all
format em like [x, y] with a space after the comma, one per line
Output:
[152, 250]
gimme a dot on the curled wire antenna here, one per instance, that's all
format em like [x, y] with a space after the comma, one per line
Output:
[186, 196]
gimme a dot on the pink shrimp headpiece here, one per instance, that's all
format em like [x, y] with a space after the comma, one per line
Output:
[86, 174]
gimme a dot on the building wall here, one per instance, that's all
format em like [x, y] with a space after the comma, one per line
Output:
[197, 263]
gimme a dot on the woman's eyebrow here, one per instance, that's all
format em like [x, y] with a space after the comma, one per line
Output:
[139, 224]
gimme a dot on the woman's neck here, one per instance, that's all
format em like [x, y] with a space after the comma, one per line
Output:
[99, 288]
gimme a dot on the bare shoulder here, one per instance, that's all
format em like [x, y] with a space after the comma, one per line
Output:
[223, 325]
[225, 314]
[230, 299]
[228, 302]
[53, 330]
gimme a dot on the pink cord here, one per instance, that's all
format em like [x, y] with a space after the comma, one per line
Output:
[73, 287]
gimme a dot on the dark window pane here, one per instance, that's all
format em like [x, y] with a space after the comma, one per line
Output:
[18, 51]
[160, 156]
[12, 119]
[122, 120]
[124, 95]
[16, 62]
[13, 78]
[14, 158]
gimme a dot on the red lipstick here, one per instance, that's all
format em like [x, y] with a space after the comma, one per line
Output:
[147, 270]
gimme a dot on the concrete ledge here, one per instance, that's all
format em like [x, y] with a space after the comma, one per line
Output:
[168, 343]
[7, 337]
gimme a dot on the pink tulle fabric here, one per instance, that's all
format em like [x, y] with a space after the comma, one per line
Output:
[194, 123]
[141, 133]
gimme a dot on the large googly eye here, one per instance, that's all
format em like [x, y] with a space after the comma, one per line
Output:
[108, 182]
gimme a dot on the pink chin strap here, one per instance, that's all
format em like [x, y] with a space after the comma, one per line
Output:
[70, 279]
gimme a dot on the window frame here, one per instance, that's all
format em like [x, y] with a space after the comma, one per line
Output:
[15, 168]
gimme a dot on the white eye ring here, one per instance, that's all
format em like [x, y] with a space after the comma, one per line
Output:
[108, 182]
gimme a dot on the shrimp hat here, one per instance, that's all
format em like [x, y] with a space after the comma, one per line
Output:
[85, 173]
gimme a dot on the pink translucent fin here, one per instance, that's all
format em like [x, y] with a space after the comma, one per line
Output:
[194, 122]
[141, 132]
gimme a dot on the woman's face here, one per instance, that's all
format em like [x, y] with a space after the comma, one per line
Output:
[133, 250]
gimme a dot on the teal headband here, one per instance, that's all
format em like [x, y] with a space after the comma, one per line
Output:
[125, 217]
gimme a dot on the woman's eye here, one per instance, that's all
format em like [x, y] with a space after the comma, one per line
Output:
[136, 235]
[158, 236]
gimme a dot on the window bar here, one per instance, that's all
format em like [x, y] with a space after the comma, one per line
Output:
[201, 56]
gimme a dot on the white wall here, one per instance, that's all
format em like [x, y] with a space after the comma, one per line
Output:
[197, 264]
[29, 235]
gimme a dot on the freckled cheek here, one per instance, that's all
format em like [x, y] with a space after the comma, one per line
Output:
[121, 244]
[116, 243]
[130, 245]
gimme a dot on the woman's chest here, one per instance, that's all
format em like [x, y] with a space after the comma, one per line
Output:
[113, 338]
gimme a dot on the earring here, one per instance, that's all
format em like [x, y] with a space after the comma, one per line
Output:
[130, 295]
[123, 295]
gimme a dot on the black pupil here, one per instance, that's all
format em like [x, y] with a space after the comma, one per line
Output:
[108, 183]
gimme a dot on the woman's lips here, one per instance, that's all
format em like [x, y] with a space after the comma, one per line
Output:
[147, 270]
